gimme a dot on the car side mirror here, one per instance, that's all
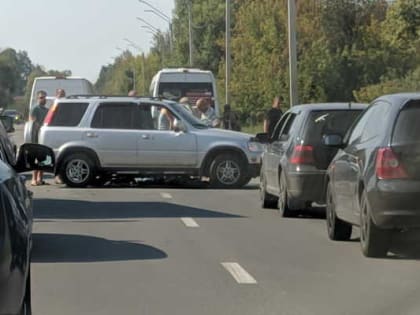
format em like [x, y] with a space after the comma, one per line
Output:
[179, 126]
[7, 123]
[33, 156]
[334, 141]
[261, 138]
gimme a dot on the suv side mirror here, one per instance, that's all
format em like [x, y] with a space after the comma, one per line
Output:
[33, 156]
[261, 138]
[7, 123]
[335, 141]
[179, 126]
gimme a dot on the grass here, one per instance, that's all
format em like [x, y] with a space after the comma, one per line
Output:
[253, 129]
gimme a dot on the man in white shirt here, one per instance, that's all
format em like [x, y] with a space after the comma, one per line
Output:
[203, 111]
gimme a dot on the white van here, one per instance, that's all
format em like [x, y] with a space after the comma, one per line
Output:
[174, 84]
[71, 85]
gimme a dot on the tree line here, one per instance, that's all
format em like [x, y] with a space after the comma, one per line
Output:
[348, 50]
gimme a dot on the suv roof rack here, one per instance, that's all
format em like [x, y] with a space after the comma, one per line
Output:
[77, 96]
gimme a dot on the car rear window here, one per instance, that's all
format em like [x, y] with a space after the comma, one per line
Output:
[68, 114]
[327, 122]
[407, 127]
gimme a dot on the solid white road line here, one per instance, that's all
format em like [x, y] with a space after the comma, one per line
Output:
[166, 195]
[238, 273]
[190, 222]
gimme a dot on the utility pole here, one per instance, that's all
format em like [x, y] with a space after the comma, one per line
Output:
[292, 53]
[190, 33]
[228, 56]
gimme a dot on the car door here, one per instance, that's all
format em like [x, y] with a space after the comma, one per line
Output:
[113, 134]
[350, 162]
[277, 149]
[160, 148]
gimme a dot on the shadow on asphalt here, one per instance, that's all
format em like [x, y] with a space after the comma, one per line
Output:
[174, 185]
[75, 209]
[69, 248]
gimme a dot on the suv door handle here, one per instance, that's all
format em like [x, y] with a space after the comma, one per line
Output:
[91, 135]
[145, 137]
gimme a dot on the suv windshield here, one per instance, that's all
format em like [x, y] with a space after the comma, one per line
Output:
[188, 116]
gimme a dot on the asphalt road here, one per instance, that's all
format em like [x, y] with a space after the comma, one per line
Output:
[166, 250]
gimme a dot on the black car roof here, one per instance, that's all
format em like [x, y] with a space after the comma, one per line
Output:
[327, 106]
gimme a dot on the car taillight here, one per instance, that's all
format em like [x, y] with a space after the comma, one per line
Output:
[50, 115]
[302, 154]
[388, 165]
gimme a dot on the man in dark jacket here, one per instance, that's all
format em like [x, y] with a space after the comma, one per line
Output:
[273, 115]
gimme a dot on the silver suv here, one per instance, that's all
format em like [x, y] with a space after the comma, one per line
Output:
[96, 137]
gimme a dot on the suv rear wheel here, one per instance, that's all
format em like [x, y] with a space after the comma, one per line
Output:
[77, 170]
[228, 171]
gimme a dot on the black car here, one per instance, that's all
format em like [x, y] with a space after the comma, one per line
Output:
[295, 161]
[16, 223]
[374, 180]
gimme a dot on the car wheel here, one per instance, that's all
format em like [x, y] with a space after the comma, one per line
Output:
[283, 202]
[77, 170]
[228, 171]
[338, 230]
[27, 305]
[374, 241]
[268, 201]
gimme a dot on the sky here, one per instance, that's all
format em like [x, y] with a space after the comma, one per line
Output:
[78, 35]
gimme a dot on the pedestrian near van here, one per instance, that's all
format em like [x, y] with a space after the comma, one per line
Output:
[37, 116]
[273, 115]
[59, 93]
[132, 93]
[230, 119]
[203, 111]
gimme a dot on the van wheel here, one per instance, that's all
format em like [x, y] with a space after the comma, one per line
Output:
[77, 170]
[338, 230]
[27, 305]
[374, 241]
[228, 171]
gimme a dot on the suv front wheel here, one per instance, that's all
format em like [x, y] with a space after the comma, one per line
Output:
[228, 171]
[77, 170]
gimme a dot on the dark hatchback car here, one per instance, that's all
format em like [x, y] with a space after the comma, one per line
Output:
[295, 161]
[374, 180]
[16, 223]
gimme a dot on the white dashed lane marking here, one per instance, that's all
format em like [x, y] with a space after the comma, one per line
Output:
[190, 222]
[166, 195]
[238, 273]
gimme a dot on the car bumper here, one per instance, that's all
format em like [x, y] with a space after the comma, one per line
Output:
[395, 203]
[307, 186]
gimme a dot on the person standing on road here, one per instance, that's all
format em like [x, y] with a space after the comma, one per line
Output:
[132, 93]
[273, 115]
[206, 113]
[230, 119]
[37, 116]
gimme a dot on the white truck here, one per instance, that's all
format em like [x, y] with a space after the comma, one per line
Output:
[173, 84]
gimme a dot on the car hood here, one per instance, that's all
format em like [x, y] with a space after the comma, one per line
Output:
[227, 134]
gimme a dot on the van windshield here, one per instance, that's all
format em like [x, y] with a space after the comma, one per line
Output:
[193, 90]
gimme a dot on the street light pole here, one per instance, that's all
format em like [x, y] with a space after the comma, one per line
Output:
[228, 56]
[190, 33]
[292, 53]
[159, 14]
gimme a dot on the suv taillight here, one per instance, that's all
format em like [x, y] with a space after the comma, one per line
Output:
[50, 115]
[302, 154]
[388, 165]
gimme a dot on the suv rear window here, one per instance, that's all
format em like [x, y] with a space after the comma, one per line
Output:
[326, 122]
[407, 127]
[68, 114]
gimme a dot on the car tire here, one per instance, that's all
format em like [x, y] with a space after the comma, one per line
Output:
[77, 170]
[337, 229]
[27, 304]
[284, 202]
[374, 241]
[228, 171]
[268, 201]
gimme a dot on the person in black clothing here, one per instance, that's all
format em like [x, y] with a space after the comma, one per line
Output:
[230, 119]
[273, 116]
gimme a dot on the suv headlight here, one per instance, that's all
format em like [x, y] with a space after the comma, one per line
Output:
[255, 147]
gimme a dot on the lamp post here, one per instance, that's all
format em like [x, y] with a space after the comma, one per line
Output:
[157, 13]
[135, 46]
[228, 56]
[190, 33]
[292, 53]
